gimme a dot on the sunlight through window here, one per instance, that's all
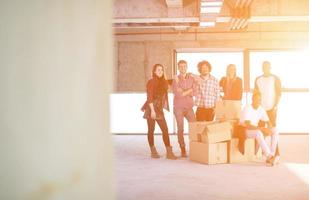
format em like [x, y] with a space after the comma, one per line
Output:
[291, 67]
[300, 170]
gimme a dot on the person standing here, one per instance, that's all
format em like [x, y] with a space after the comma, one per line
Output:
[269, 85]
[207, 94]
[231, 84]
[183, 88]
[157, 99]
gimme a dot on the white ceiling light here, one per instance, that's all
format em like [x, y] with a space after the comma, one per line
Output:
[211, 3]
[207, 24]
[211, 9]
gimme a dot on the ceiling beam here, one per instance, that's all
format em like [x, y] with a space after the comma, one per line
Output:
[219, 19]
[183, 24]
[157, 20]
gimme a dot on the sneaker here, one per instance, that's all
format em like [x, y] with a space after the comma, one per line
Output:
[270, 161]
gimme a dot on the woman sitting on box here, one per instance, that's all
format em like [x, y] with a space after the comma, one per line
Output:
[231, 84]
[157, 99]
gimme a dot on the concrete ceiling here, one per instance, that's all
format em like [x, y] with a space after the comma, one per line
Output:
[185, 15]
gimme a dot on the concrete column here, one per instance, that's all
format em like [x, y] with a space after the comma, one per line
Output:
[55, 78]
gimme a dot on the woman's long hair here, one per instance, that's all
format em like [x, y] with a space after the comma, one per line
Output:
[160, 83]
[227, 71]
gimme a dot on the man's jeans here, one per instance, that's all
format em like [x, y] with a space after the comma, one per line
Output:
[258, 135]
[180, 114]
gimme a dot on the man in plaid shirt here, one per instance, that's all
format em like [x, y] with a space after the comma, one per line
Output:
[208, 93]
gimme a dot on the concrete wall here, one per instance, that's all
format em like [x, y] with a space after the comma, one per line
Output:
[55, 79]
[135, 61]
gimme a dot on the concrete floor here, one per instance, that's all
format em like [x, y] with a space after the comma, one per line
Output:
[140, 177]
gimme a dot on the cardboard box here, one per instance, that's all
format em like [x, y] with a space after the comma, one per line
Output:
[258, 156]
[196, 128]
[228, 109]
[234, 123]
[217, 132]
[234, 156]
[208, 153]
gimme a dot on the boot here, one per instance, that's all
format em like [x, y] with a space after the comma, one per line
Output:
[183, 152]
[170, 154]
[154, 153]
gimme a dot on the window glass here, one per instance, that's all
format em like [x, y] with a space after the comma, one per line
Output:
[290, 66]
[292, 112]
[218, 61]
[126, 115]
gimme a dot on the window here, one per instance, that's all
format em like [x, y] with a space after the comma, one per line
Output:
[126, 115]
[291, 66]
[218, 61]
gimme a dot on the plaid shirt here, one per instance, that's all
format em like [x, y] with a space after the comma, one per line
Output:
[208, 93]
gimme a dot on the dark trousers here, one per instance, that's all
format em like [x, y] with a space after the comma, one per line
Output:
[205, 114]
[272, 115]
[163, 126]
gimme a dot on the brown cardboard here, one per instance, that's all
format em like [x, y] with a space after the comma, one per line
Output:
[234, 123]
[234, 156]
[217, 132]
[258, 155]
[208, 153]
[228, 109]
[196, 128]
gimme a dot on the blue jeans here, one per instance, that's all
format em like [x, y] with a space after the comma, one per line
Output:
[180, 114]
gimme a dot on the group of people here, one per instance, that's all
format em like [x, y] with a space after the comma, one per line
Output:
[203, 91]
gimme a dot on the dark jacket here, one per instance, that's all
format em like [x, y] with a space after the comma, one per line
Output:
[156, 94]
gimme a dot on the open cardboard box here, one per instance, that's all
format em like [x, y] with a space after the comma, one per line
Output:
[196, 128]
[228, 109]
[217, 132]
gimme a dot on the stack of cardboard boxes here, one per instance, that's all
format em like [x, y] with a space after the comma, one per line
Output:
[208, 141]
[214, 142]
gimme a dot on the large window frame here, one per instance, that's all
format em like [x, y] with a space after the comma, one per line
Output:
[248, 88]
